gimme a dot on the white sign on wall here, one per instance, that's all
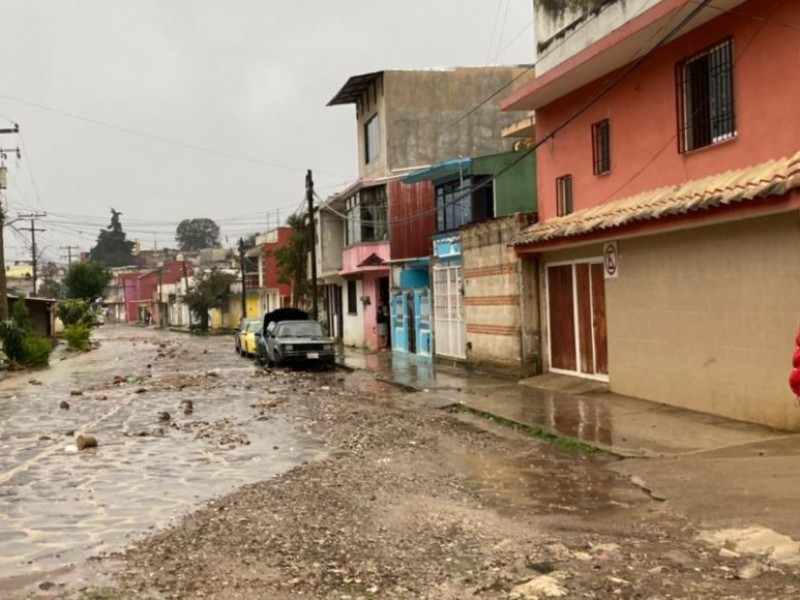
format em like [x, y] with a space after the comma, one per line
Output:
[610, 260]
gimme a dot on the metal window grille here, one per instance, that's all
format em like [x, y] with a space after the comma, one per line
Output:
[352, 300]
[706, 112]
[564, 195]
[601, 147]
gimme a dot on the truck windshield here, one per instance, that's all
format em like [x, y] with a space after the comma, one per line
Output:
[309, 329]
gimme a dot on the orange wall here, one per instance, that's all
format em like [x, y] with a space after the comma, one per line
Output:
[643, 115]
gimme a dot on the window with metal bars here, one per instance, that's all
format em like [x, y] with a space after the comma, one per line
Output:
[564, 195]
[601, 147]
[706, 112]
[352, 299]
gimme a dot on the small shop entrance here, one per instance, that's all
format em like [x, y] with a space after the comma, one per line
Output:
[576, 304]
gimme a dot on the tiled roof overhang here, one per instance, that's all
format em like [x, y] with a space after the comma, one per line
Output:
[748, 185]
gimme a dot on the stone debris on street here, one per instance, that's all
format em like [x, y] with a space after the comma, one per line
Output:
[326, 484]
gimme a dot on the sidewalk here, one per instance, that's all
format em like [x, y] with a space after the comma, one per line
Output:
[567, 406]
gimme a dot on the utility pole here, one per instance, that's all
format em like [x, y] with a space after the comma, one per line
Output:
[34, 254]
[186, 288]
[160, 296]
[244, 283]
[69, 250]
[3, 186]
[313, 234]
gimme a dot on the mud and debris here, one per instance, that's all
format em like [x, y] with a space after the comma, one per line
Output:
[283, 484]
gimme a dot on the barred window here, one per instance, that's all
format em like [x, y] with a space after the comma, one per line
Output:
[601, 147]
[706, 112]
[564, 195]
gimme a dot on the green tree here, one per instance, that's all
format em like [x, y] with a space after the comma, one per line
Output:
[86, 280]
[293, 258]
[196, 234]
[112, 249]
[210, 290]
[74, 311]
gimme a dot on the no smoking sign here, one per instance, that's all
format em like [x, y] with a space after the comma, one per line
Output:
[610, 260]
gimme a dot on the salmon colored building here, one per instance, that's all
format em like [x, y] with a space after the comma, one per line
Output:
[668, 169]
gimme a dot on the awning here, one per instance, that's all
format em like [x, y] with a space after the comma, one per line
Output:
[772, 178]
[442, 170]
[354, 88]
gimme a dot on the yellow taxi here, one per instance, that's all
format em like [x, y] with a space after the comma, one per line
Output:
[250, 341]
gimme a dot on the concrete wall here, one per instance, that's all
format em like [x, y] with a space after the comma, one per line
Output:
[421, 109]
[372, 103]
[706, 319]
[330, 237]
[642, 114]
[563, 32]
[353, 324]
[492, 297]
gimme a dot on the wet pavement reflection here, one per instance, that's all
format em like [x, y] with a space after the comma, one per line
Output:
[58, 507]
[547, 480]
[568, 406]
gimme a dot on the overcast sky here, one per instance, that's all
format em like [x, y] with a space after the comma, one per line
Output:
[171, 109]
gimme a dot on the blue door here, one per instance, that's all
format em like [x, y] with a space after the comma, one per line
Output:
[399, 323]
[422, 303]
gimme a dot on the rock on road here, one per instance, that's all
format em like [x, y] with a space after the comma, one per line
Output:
[323, 485]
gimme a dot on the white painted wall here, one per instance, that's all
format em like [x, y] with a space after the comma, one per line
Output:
[560, 36]
[354, 324]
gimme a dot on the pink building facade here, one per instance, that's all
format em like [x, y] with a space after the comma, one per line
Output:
[668, 169]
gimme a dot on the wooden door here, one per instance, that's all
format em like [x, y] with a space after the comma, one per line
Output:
[599, 321]
[561, 300]
[577, 318]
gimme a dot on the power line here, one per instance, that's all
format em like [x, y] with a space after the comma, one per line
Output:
[552, 48]
[150, 136]
[564, 124]
[668, 143]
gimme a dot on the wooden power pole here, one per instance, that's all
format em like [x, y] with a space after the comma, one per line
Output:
[34, 253]
[313, 237]
[3, 186]
[244, 282]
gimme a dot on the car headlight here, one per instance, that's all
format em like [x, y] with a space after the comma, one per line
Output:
[288, 347]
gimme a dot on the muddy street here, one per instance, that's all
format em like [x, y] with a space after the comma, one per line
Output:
[153, 462]
[324, 484]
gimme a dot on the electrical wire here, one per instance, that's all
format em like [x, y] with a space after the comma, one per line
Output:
[673, 137]
[552, 48]
[614, 82]
[154, 137]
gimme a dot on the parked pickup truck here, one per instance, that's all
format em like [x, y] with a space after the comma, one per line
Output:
[290, 337]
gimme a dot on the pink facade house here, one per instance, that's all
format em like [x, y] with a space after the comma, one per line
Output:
[141, 291]
[668, 169]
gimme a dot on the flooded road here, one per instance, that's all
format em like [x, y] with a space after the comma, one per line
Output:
[59, 506]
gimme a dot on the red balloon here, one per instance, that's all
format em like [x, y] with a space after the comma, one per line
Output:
[794, 381]
[796, 359]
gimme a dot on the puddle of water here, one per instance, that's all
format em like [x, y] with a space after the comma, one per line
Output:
[547, 481]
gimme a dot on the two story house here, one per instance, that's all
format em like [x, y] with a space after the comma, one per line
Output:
[668, 172]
